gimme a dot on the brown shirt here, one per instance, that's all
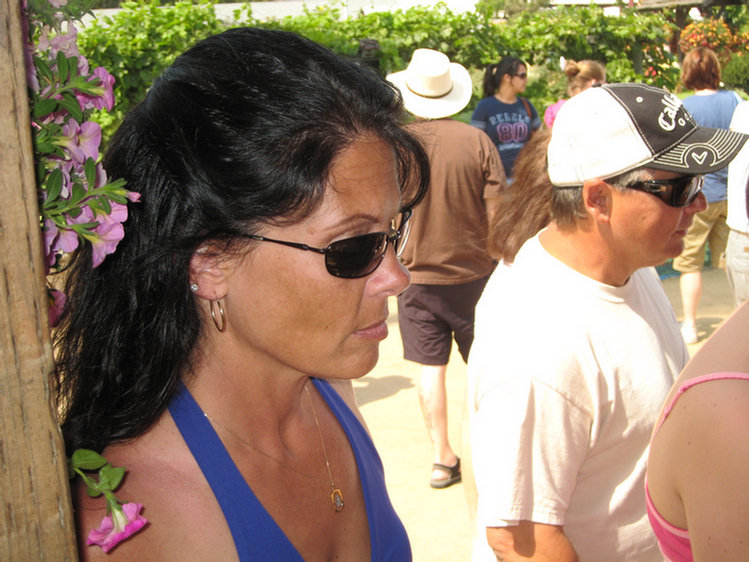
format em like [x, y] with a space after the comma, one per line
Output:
[448, 240]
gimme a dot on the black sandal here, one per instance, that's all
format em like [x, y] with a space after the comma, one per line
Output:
[453, 475]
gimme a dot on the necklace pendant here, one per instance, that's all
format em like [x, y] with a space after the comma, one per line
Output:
[336, 496]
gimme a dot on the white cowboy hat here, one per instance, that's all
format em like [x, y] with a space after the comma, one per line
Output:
[432, 86]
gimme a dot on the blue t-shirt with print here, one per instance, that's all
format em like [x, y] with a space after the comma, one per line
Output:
[714, 110]
[508, 125]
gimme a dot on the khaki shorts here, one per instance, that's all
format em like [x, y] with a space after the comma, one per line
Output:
[708, 227]
[737, 265]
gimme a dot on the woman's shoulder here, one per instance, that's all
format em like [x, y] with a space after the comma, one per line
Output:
[184, 520]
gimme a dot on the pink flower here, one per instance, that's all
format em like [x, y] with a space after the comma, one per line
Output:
[109, 232]
[56, 240]
[81, 141]
[105, 98]
[118, 526]
[56, 304]
[65, 43]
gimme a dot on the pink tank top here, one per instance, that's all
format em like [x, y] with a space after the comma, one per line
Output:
[673, 541]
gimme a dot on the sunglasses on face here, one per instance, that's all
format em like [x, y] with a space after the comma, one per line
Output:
[357, 256]
[676, 192]
[522, 75]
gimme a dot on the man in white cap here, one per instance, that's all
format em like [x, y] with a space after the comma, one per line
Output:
[576, 343]
[447, 251]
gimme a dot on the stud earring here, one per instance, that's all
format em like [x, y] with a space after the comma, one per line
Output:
[194, 287]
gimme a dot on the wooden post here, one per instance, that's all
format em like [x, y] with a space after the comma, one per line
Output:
[36, 522]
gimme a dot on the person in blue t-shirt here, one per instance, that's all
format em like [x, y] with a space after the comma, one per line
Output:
[711, 107]
[506, 117]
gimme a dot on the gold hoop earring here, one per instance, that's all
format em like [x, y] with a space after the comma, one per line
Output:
[220, 327]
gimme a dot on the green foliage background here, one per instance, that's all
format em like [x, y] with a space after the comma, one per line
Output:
[141, 40]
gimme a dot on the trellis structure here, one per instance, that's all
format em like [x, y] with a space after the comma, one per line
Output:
[37, 521]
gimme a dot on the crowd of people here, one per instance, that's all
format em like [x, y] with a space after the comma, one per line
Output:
[287, 194]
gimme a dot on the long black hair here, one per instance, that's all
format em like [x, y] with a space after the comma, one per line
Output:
[494, 72]
[242, 129]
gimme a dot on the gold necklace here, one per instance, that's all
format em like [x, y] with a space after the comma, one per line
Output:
[336, 496]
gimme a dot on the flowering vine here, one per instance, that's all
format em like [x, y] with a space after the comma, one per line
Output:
[77, 201]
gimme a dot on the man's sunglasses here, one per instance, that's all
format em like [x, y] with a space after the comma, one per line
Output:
[358, 256]
[676, 192]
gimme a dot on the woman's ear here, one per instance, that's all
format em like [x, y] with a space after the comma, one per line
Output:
[209, 271]
[597, 198]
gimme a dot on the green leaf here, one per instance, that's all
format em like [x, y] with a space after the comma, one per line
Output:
[89, 168]
[86, 459]
[62, 67]
[44, 107]
[110, 476]
[78, 192]
[70, 103]
[53, 185]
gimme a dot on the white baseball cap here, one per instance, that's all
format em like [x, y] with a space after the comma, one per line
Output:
[614, 128]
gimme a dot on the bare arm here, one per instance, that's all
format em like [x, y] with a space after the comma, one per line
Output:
[531, 542]
[711, 478]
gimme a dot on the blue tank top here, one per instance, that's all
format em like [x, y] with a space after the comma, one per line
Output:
[256, 535]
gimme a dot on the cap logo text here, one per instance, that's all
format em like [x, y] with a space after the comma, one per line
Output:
[667, 117]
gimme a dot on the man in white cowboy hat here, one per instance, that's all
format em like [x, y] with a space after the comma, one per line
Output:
[576, 343]
[447, 252]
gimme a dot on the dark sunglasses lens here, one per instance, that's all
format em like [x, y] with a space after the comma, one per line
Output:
[357, 256]
[684, 191]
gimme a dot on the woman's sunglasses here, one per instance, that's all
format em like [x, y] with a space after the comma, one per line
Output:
[676, 192]
[358, 256]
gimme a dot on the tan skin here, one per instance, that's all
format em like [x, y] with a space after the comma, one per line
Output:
[706, 491]
[511, 86]
[623, 231]
[287, 319]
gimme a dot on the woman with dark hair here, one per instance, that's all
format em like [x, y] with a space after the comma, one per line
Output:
[506, 117]
[711, 107]
[212, 354]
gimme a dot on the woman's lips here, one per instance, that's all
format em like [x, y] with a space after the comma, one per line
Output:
[378, 331]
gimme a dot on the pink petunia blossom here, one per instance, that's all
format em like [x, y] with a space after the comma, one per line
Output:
[65, 43]
[56, 305]
[109, 232]
[118, 526]
[56, 240]
[81, 141]
[105, 97]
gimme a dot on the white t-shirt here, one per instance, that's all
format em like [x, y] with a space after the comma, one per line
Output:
[738, 173]
[566, 379]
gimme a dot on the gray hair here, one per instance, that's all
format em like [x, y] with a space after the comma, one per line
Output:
[567, 206]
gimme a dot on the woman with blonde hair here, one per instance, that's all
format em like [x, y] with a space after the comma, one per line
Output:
[581, 75]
